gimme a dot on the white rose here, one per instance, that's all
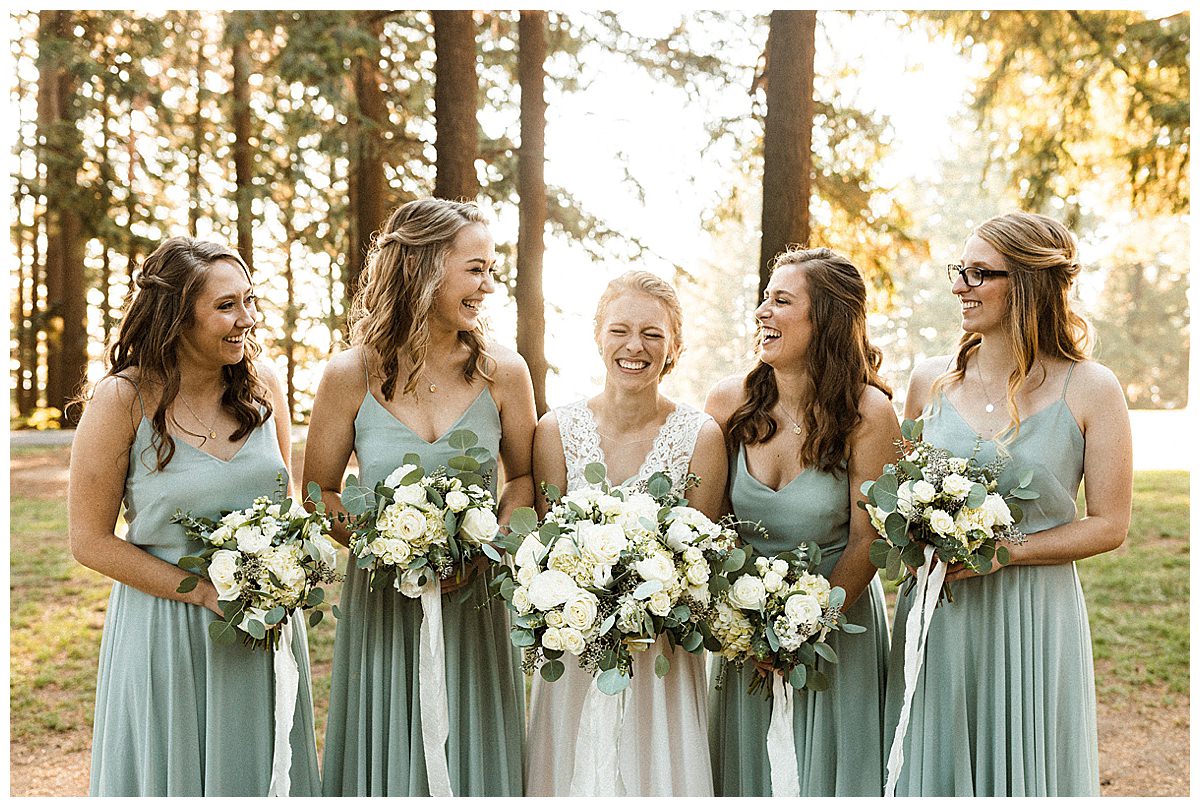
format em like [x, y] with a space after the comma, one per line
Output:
[550, 589]
[530, 552]
[814, 585]
[762, 564]
[409, 584]
[679, 536]
[554, 619]
[905, 502]
[656, 567]
[693, 555]
[251, 540]
[748, 593]
[479, 525]
[222, 569]
[457, 501]
[233, 520]
[325, 548]
[220, 535]
[580, 610]
[410, 494]
[410, 523]
[998, 508]
[923, 492]
[571, 640]
[393, 479]
[956, 486]
[697, 573]
[659, 603]
[520, 600]
[802, 609]
[772, 581]
[525, 574]
[552, 639]
[604, 542]
[780, 567]
[941, 522]
[609, 505]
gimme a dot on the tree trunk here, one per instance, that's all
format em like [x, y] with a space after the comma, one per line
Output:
[455, 105]
[369, 196]
[66, 333]
[787, 140]
[194, 177]
[243, 149]
[531, 315]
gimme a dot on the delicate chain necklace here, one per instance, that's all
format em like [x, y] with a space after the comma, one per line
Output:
[990, 406]
[432, 386]
[212, 433]
[797, 429]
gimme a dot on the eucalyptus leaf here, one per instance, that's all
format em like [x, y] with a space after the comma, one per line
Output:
[337, 612]
[910, 469]
[187, 584]
[607, 624]
[553, 494]
[879, 553]
[479, 453]
[1026, 478]
[817, 681]
[772, 638]
[896, 527]
[464, 463]
[610, 682]
[851, 628]
[315, 618]
[735, 561]
[837, 596]
[275, 615]
[595, 473]
[462, 439]
[659, 485]
[221, 632]
[976, 495]
[662, 665]
[826, 652]
[191, 562]
[892, 572]
[357, 499]
[1003, 555]
[552, 670]
[491, 553]
[523, 521]
[646, 589]
[523, 638]
[798, 676]
[1026, 494]
[314, 492]
[256, 629]
[692, 641]
[885, 492]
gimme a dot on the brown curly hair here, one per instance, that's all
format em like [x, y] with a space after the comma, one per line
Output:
[841, 361]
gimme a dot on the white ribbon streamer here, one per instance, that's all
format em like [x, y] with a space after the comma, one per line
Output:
[287, 684]
[598, 745]
[929, 585]
[431, 673]
[781, 740]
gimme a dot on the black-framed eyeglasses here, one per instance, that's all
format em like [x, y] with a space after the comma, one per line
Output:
[971, 275]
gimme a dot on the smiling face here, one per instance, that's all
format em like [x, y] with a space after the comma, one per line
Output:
[783, 317]
[984, 307]
[635, 339]
[224, 313]
[466, 280]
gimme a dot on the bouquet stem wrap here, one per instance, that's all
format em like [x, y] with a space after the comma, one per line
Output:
[598, 745]
[781, 740]
[431, 672]
[929, 585]
[287, 684]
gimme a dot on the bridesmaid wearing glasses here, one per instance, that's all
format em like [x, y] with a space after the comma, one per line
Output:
[1005, 704]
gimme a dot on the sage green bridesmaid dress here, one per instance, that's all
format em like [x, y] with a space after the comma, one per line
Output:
[373, 744]
[1005, 704]
[838, 732]
[177, 715]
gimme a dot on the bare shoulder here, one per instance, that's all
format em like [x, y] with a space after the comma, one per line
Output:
[266, 372]
[114, 405]
[710, 436]
[345, 368]
[927, 370]
[875, 406]
[1093, 387]
[547, 427]
[508, 366]
[724, 398]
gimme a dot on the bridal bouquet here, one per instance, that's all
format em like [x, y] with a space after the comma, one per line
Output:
[418, 527]
[608, 571]
[265, 561]
[930, 498]
[776, 611]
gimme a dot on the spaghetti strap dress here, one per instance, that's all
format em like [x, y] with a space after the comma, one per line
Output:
[662, 740]
[373, 742]
[839, 731]
[177, 715]
[1005, 704]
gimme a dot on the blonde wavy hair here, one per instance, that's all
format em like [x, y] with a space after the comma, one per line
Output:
[643, 282]
[1041, 257]
[405, 267]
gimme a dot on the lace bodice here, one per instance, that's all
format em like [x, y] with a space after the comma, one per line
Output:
[671, 451]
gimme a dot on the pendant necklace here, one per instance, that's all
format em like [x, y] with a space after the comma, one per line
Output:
[797, 429]
[212, 433]
[989, 407]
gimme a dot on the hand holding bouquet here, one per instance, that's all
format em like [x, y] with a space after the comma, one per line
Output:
[608, 571]
[265, 561]
[932, 498]
[416, 528]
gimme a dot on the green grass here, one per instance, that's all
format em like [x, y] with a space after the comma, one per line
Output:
[1137, 601]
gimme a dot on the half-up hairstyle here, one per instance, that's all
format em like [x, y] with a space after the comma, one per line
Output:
[405, 268]
[1040, 255]
[639, 281]
[841, 362]
[158, 314]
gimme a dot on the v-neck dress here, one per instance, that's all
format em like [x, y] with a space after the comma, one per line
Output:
[661, 743]
[373, 743]
[838, 732]
[177, 715]
[1005, 704]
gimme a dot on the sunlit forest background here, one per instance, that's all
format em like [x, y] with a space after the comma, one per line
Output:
[696, 145]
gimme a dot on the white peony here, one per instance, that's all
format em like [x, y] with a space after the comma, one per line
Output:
[802, 609]
[956, 486]
[941, 522]
[998, 508]
[457, 501]
[222, 571]
[658, 567]
[550, 589]
[479, 525]
[748, 593]
[571, 640]
[394, 478]
[923, 492]
[604, 542]
[251, 540]
[580, 611]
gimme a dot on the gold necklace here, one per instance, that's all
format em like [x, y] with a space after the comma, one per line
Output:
[212, 433]
[989, 405]
[797, 429]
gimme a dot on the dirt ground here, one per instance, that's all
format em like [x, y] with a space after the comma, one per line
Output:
[1144, 743]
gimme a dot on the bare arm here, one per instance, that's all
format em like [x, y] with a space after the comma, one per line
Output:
[283, 421]
[722, 401]
[549, 462]
[872, 445]
[518, 418]
[1098, 399]
[709, 462]
[99, 463]
[331, 433]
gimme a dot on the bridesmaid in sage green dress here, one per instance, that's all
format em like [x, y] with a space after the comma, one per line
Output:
[1005, 704]
[806, 427]
[419, 369]
[181, 420]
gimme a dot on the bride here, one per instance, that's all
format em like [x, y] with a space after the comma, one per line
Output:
[630, 427]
